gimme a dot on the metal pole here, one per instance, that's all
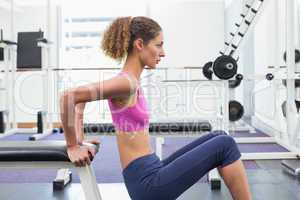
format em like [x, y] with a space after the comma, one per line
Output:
[45, 85]
[48, 22]
[278, 56]
[225, 106]
[12, 20]
[7, 86]
[47, 68]
[290, 48]
[13, 67]
[298, 24]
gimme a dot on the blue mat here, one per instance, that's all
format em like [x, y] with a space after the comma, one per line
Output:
[16, 137]
[237, 134]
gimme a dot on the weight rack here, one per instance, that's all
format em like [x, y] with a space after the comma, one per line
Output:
[247, 20]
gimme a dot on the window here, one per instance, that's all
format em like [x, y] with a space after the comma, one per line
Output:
[82, 25]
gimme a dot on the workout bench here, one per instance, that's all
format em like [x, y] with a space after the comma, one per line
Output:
[47, 154]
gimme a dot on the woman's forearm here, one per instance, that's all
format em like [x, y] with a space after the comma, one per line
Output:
[79, 129]
[67, 109]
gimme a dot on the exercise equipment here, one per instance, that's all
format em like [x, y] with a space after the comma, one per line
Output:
[29, 52]
[1, 48]
[236, 82]
[8, 122]
[297, 83]
[2, 122]
[231, 48]
[269, 76]
[236, 110]
[63, 178]
[283, 107]
[48, 155]
[291, 166]
[297, 56]
[224, 67]
[207, 70]
[1, 54]
[40, 48]
[247, 21]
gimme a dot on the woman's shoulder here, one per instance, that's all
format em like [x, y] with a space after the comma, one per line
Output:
[125, 79]
[121, 86]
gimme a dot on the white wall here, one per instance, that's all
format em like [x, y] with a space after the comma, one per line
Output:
[193, 31]
[5, 23]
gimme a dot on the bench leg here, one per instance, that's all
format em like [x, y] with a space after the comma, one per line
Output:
[89, 183]
[63, 177]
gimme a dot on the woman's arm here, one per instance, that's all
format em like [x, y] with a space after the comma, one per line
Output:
[119, 86]
[79, 129]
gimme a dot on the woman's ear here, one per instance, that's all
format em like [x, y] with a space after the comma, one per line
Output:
[139, 44]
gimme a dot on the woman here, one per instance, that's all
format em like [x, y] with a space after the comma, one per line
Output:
[139, 41]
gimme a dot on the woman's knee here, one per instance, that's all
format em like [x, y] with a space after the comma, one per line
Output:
[224, 141]
[223, 138]
[228, 141]
[231, 151]
[218, 132]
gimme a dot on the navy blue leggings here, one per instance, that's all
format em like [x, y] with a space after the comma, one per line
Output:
[148, 178]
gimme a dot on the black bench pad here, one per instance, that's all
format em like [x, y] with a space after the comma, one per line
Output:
[31, 151]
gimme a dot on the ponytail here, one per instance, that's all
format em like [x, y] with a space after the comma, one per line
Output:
[116, 38]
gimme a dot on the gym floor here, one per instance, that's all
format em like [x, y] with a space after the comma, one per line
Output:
[267, 182]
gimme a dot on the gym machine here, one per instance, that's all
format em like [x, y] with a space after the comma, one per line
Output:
[8, 124]
[227, 64]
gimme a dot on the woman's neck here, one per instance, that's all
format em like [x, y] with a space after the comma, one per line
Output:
[133, 66]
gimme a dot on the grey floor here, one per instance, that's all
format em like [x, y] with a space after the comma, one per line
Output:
[267, 182]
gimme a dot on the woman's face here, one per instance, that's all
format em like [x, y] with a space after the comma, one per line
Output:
[153, 51]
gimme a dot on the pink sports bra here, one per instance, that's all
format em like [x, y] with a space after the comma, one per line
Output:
[130, 118]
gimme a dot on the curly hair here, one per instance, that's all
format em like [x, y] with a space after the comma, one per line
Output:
[118, 38]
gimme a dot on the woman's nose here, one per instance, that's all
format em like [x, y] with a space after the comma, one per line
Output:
[162, 54]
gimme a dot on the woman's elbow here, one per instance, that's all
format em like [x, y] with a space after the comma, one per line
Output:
[65, 97]
[69, 97]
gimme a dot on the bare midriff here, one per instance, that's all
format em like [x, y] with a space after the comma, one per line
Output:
[133, 145]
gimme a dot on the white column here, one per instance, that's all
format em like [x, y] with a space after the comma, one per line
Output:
[290, 60]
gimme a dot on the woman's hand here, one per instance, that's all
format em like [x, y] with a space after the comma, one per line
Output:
[81, 155]
[92, 141]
